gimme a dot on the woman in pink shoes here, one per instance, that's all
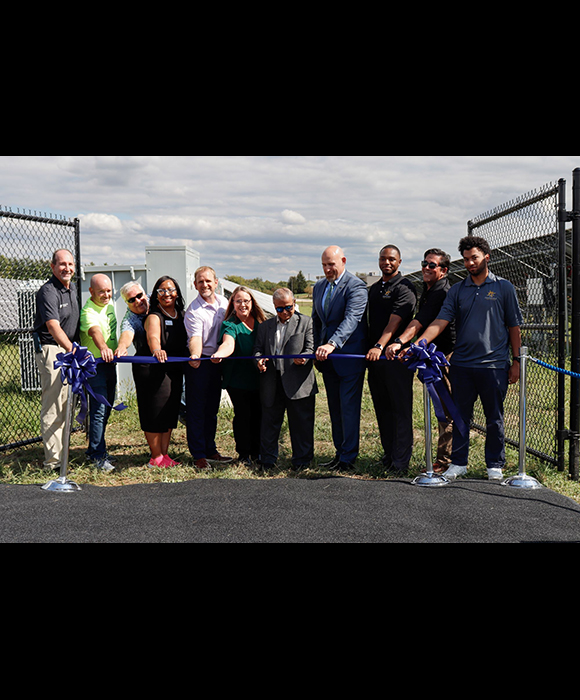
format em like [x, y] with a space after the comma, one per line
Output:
[160, 385]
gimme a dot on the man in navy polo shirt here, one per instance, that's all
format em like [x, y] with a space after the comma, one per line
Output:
[488, 320]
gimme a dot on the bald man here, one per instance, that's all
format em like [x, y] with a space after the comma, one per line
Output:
[99, 335]
[340, 328]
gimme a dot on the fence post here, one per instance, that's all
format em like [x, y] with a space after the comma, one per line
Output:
[563, 325]
[522, 480]
[575, 392]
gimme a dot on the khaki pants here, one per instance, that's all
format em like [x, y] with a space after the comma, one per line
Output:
[53, 412]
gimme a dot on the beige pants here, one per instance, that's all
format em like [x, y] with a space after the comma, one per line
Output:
[53, 412]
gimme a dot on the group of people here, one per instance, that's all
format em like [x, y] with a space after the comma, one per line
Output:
[271, 373]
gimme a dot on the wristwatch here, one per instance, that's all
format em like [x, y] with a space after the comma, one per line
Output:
[331, 342]
[378, 346]
[398, 341]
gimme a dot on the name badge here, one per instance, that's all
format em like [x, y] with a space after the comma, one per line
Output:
[168, 323]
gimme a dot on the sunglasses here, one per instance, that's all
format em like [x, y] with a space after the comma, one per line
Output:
[281, 309]
[132, 300]
[432, 266]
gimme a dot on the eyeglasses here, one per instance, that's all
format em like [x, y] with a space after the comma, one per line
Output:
[432, 265]
[243, 302]
[132, 300]
[281, 309]
[166, 292]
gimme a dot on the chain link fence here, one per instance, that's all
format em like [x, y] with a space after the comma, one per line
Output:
[27, 243]
[524, 236]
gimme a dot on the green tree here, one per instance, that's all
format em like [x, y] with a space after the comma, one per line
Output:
[298, 284]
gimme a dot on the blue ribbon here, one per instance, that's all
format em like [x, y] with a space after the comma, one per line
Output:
[137, 360]
[76, 369]
[429, 362]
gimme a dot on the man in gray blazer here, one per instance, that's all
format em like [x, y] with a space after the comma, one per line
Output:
[287, 385]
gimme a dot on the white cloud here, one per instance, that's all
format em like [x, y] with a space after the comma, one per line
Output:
[272, 215]
[292, 218]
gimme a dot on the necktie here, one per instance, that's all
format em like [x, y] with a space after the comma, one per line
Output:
[329, 298]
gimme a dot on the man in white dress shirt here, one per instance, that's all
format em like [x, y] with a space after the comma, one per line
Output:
[203, 321]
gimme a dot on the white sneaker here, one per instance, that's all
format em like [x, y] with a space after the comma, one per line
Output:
[454, 472]
[495, 474]
[104, 465]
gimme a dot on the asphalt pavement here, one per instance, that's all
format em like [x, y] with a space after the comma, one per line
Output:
[334, 510]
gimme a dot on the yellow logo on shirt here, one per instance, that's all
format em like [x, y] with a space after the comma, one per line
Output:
[492, 295]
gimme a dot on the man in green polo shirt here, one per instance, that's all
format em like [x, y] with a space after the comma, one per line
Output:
[99, 335]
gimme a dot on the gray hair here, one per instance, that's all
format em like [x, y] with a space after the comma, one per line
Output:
[280, 294]
[61, 250]
[126, 288]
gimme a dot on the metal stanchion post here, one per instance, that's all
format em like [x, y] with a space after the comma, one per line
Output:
[522, 480]
[62, 484]
[430, 478]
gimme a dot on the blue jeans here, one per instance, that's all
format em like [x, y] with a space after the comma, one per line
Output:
[105, 384]
[491, 386]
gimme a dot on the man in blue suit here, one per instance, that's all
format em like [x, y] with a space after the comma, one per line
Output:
[340, 328]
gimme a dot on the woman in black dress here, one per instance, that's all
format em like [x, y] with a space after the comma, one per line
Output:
[160, 386]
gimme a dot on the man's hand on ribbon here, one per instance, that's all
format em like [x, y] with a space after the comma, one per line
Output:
[195, 362]
[107, 355]
[392, 352]
[324, 352]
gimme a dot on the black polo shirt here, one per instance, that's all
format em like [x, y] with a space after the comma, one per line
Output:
[54, 302]
[397, 296]
[430, 305]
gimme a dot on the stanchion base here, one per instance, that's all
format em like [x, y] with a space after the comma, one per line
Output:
[431, 480]
[62, 485]
[523, 481]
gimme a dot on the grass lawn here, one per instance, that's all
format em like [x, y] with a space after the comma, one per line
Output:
[126, 442]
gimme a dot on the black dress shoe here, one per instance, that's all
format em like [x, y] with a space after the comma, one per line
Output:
[297, 468]
[345, 467]
[332, 466]
[266, 466]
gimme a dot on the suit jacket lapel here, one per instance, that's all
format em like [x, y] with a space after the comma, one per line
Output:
[292, 325]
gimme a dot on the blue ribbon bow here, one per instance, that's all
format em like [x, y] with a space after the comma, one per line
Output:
[429, 362]
[76, 369]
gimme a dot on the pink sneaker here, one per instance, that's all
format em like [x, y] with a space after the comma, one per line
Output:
[168, 462]
[159, 462]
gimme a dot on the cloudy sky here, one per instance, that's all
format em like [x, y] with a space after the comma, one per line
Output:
[270, 216]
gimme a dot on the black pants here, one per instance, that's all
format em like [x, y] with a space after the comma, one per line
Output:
[204, 392]
[300, 421]
[247, 422]
[391, 385]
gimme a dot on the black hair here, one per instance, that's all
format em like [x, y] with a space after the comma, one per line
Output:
[392, 247]
[445, 257]
[470, 242]
[154, 304]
